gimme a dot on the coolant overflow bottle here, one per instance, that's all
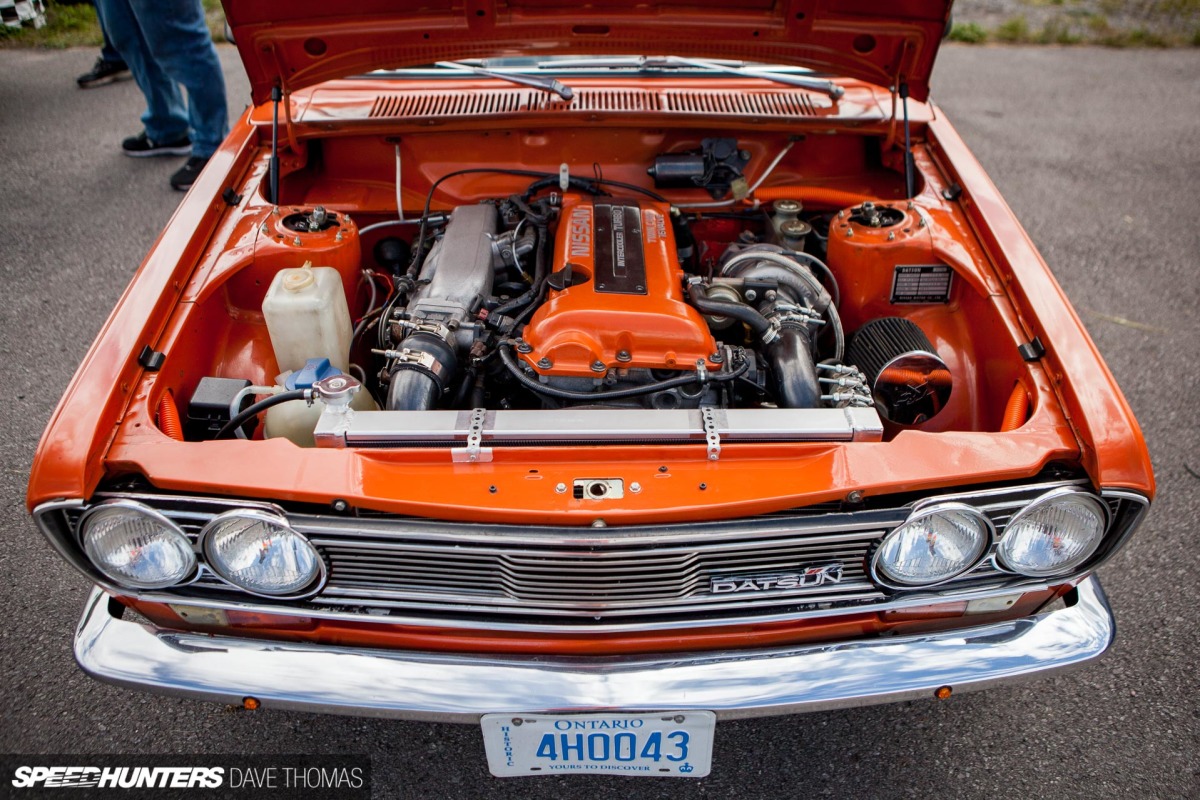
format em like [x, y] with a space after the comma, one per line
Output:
[307, 317]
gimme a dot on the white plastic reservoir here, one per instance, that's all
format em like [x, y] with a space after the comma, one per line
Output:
[297, 420]
[307, 317]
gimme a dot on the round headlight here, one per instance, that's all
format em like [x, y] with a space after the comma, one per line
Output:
[1053, 534]
[259, 552]
[136, 546]
[932, 546]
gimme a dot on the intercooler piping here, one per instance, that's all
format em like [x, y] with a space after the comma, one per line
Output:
[796, 384]
[417, 384]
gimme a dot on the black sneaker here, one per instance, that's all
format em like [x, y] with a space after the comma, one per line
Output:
[103, 72]
[142, 146]
[188, 173]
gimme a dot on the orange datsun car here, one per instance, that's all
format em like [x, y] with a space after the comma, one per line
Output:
[590, 373]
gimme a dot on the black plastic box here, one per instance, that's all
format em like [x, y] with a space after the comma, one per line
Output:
[208, 410]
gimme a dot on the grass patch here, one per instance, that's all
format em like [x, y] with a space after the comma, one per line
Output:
[66, 26]
[1056, 31]
[1013, 30]
[77, 26]
[969, 32]
[1138, 37]
[1104, 33]
[1108, 23]
[214, 15]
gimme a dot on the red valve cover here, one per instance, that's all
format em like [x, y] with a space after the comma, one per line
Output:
[620, 299]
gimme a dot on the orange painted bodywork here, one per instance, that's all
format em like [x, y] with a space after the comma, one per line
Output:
[298, 43]
[198, 294]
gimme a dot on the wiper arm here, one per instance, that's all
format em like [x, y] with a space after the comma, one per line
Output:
[679, 62]
[551, 85]
[735, 68]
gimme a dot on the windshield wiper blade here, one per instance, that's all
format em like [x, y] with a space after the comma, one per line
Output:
[551, 85]
[817, 84]
[649, 63]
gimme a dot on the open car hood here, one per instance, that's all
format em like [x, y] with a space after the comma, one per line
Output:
[298, 43]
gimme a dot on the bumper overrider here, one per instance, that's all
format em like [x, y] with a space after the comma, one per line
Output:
[461, 687]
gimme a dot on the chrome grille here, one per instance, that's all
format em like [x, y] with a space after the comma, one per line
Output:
[585, 573]
[583, 579]
[440, 571]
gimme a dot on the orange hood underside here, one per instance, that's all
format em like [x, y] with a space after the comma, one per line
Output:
[298, 43]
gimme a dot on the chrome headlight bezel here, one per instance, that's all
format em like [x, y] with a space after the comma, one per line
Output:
[879, 574]
[213, 564]
[132, 506]
[1069, 567]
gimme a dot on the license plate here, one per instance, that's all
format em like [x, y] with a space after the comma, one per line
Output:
[667, 744]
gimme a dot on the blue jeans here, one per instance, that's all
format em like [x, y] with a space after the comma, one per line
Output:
[108, 53]
[166, 43]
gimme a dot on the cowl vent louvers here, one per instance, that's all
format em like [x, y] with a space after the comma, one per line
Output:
[775, 104]
[470, 102]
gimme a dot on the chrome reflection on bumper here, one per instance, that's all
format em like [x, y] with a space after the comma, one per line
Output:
[450, 687]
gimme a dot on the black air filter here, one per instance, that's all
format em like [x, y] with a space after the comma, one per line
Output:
[908, 379]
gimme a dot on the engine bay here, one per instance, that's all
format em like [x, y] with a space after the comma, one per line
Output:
[576, 294]
[602, 312]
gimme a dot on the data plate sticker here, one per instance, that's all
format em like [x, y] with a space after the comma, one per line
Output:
[922, 284]
[667, 744]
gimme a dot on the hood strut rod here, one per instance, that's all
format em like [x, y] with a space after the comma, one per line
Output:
[276, 96]
[908, 157]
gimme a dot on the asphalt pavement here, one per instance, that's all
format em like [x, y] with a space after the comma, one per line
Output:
[1098, 152]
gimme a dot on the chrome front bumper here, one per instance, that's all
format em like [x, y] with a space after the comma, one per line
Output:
[460, 687]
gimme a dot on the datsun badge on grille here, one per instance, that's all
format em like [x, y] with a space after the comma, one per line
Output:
[812, 576]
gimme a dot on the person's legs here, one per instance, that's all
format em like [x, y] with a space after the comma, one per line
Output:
[109, 67]
[165, 119]
[108, 53]
[177, 36]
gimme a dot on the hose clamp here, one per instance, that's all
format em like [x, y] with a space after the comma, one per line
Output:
[438, 329]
